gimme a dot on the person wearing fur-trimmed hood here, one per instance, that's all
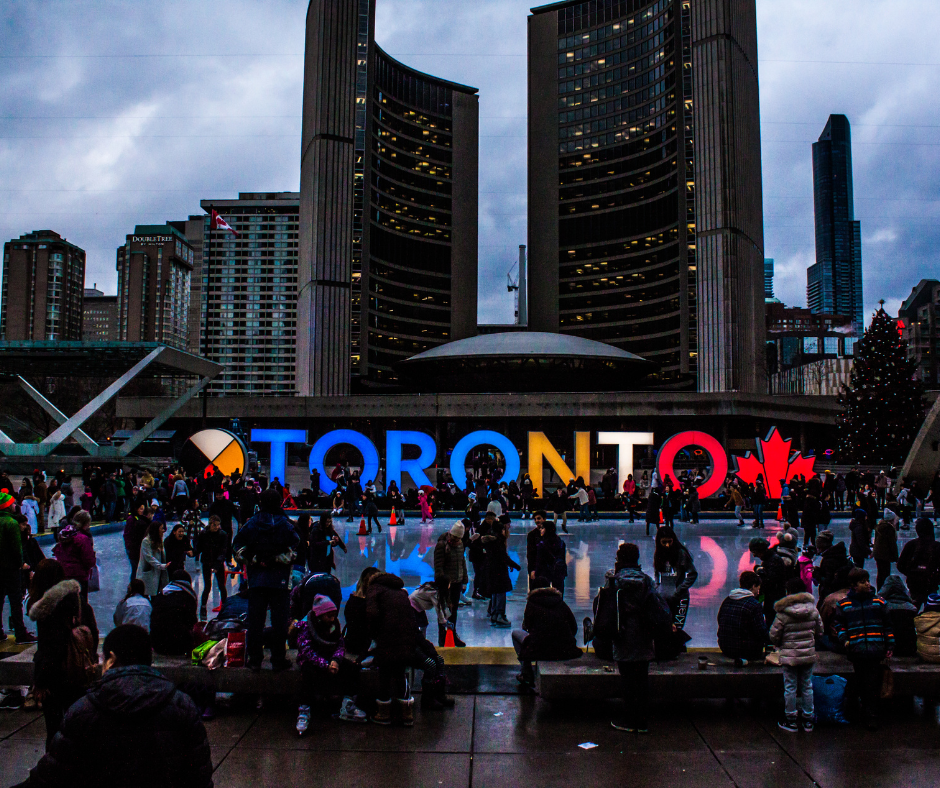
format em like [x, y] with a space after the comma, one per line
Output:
[794, 630]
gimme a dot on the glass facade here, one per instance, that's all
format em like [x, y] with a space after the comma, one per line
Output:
[834, 283]
[249, 294]
[626, 251]
[410, 216]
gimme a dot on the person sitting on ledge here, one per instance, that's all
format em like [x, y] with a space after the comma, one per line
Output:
[548, 630]
[742, 631]
[325, 672]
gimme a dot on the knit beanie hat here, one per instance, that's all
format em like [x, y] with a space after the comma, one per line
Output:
[457, 530]
[890, 516]
[322, 605]
[824, 540]
[6, 500]
[758, 544]
[933, 604]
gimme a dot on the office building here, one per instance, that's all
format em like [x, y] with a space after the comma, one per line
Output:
[41, 291]
[919, 323]
[388, 208]
[768, 278]
[245, 291]
[808, 352]
[154, 272]
[834, 283]
[645, 203]
[99, 316]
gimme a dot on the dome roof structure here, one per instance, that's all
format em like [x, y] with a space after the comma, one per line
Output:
[523, 361]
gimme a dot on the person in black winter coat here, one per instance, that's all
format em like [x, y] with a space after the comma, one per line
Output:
[132, 728]
[356, 634]
[773, 573]
[213, 550]
[642, 615]
[549, 630]
[498, 563]
[55, 604]
[833, 566]
[550, 557]
[919, 561]
[860, 546]
[266, 545]
[173, 616]
[394, 629]
[742, 631]
[323, 542]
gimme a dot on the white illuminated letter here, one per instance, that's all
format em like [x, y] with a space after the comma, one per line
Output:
[625, 441]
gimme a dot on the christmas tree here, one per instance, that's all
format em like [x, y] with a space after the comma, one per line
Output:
[883, 404]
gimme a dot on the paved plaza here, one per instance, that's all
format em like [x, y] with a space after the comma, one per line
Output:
[491, 741]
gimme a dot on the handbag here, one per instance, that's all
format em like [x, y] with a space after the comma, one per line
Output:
[81, 660]
[887, 683]
[94, 579]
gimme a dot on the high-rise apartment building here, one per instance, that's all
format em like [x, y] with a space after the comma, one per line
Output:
[244, 314]
[768, 277]
[388, 208]
[834, 283]
[919, 323]
[99, 316]
[154, 272]
[645, 202]
[41, 291]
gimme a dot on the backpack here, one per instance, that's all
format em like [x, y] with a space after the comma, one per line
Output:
[825, 513]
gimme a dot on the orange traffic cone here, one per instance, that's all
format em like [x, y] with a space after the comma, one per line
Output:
[449, 639]
[393, 520]
[661, 520]
[780, 513]
[362, 527]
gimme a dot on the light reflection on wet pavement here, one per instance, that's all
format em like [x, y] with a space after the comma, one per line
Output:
[718, 547]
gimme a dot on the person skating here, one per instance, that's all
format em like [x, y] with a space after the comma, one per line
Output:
[773, 573]
[450, 572]
[498, 563]
[551, 557]
[213, 551]
[885, 547]
[796, 626]
[324, 670]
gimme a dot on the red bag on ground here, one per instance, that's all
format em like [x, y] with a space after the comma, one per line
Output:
[235, 650]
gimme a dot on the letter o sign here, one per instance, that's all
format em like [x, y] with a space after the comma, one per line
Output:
[669, 450]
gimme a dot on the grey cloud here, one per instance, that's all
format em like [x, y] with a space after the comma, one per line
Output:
[147, 138]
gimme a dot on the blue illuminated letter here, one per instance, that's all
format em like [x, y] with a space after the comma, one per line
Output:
[277, 466]
[370, 456]
[480, 438]
[395, 465]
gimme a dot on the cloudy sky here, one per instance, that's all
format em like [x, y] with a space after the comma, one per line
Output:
[121, 113]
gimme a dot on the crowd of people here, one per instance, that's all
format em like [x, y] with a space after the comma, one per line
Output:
[797, 600]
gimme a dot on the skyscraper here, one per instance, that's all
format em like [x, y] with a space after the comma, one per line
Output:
[388, 207]
[245, 313]
[154, 271]
[834, 283]
[645, 203]
[768, 277]
[43, 281]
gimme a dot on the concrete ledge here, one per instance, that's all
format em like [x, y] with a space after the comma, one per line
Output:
[590, 677]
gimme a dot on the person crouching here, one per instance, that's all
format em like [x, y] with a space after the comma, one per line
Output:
[324, 672]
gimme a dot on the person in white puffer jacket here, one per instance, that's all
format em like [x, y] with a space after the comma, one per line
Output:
[794, 631]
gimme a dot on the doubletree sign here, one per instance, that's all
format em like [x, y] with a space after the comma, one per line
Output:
[773, 460]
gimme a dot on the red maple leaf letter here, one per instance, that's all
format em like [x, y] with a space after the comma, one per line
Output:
[773, 461]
